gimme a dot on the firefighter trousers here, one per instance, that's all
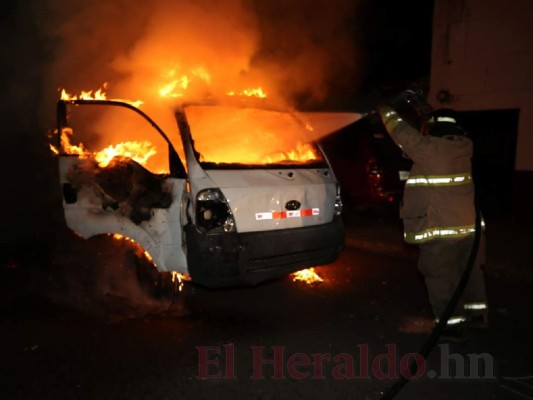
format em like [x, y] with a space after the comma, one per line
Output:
[442, 263]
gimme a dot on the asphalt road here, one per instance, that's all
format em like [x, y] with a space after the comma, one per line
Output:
[280, 340]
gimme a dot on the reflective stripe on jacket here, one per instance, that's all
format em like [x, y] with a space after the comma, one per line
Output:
[441, 233]
[438, 201]
[443, 180]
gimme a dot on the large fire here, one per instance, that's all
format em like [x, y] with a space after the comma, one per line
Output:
[139, 151]
[250, 136]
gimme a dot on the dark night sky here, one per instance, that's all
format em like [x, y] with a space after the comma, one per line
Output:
[397, 38]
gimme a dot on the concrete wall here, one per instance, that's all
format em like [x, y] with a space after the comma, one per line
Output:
[482, 59]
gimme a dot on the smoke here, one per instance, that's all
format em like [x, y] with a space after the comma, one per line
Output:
[298, 50]
[301, 53]
[209, 41]
[309, 47]
[84, 38]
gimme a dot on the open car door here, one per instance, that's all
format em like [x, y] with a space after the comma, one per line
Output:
[126, 179]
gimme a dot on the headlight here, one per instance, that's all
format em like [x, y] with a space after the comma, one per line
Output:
[338, 202]
[213, 211]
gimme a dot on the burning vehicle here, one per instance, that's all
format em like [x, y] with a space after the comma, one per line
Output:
[239, 195]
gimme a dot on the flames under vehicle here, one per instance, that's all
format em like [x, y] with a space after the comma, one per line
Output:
[221, 221]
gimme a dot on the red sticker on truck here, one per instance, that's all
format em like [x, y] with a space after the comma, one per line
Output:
[287, 214]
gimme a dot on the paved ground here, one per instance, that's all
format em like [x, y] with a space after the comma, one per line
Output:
[69, 333]
[61, 354]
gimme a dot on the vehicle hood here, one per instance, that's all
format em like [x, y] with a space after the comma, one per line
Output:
[277, 198]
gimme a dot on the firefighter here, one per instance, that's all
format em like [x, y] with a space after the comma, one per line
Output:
[438, 210]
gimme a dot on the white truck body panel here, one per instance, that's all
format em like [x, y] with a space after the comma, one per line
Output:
[262, 201]
[161, 237]
[253, 195]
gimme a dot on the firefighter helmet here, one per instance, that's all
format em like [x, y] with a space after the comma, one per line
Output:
[444, 122]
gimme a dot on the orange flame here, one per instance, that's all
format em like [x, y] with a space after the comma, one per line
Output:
[69, 147]
[85, 95]
[99, 94]
[178, 84]
[303, 153]
[137, 151]
[140, 152]
[179, 279]
[282, 150]
[246, 135]
[118, 236]
[308, 276]
[252, 92]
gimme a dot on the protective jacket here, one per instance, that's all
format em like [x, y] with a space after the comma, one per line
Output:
[438, 199]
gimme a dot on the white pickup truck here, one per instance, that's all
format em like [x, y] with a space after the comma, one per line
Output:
[223, 222]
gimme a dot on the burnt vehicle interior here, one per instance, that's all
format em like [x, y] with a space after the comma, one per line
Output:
[229, 137]
[121, 181]
[124, 184]
[115, 126]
